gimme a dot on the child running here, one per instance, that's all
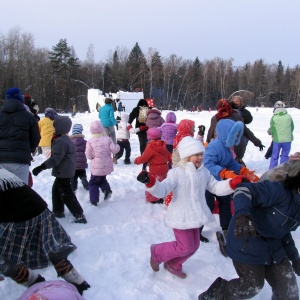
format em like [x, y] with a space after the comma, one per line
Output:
[188, 210]
[99, 149]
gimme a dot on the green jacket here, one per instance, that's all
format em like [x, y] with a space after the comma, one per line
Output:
[281, 126]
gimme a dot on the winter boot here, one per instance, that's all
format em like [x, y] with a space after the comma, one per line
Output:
[203, 239]
[80, 219]
[19, 273]
[177, 273]
[115, 159]
[154, 264]
[107, 194]
[127, 161]
[213, 290]
[85, 183]
[221, 237]
[59, 214]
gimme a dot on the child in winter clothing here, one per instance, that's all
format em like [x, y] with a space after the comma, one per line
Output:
[99, 149]
[158, 158]
[79, 142]
[154, 118]
[47, 130]
[123, 136]
[62, 161]
[188, 210]
[218, 159]
[169, 130]
[31, 236]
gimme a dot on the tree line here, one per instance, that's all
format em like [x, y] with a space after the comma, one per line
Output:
[57, 78]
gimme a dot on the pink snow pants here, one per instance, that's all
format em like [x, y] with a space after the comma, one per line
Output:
[177, 252]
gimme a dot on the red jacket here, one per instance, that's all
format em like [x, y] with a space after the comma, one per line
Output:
[157, 156]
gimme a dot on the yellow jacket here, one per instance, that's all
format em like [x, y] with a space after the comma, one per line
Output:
[46, 130]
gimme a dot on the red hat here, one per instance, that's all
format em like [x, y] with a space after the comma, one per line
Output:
[153, 134]
[224, 109]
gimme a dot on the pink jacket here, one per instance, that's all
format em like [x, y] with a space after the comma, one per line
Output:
[53, 290]
[99, 150]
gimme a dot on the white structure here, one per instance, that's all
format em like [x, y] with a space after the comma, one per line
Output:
[129, 99]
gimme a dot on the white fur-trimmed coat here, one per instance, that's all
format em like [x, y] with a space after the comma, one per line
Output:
[188, 208]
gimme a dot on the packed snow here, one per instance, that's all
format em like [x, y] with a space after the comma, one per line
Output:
[113, 247]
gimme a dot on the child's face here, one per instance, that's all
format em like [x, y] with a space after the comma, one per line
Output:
[196, 159]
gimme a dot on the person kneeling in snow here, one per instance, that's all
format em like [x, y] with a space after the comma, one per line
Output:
[188, 210]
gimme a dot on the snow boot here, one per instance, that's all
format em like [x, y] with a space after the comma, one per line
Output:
[115, 159]
[80, 219]
[107, 194]
[127, 161]
[203, 239]
[177, 273]
[154, 264]
[221, 237]
[216, 287]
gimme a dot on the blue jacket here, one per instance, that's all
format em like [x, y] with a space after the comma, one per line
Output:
[217, 155]
[106, 116]
[275, 212]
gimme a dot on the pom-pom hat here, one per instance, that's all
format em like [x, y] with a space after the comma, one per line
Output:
[189, 146]
[77, 129]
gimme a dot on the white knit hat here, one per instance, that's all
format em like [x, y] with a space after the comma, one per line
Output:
[189, 146]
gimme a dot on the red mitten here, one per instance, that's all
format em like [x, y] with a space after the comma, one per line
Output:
[129, 127]
[225, 174]
[234, 182]
[248, 174]
[143, 128]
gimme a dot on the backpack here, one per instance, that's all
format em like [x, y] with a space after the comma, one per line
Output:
[143, 114]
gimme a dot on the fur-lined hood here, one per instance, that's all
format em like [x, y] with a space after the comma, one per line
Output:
[229, 132]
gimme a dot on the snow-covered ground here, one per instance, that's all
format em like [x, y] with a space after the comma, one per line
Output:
[113, 247]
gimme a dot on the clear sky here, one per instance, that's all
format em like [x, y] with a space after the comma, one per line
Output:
[245, 30]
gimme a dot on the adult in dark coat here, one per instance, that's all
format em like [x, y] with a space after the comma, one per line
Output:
[19, 135]
[62, 161]
[134, 115]
[237, 103]
[260, 243]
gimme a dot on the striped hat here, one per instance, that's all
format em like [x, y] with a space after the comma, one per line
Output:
[77, 129]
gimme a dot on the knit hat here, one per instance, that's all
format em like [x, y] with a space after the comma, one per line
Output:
[279, 104]
[224, 109]
[153, 134]
[184, 129]
[50, 112]
[189, 146]
[14, 93]
[77, 129]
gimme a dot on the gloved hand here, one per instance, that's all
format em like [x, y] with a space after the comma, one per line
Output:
[248, 174]
[225, 174]
[296, 266]
[128, 127]
[201, 130]
[146, 178]
[143, 128]
[243, 227]
[234, 182]
[36, 171]
[261, 147]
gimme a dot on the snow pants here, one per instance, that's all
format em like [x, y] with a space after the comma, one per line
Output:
[124, 146]
[95, 183]
[285, 149]
[177, 252]
[251, 280]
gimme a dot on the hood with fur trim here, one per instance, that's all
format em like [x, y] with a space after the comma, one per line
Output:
[96, 127]
[229, 132]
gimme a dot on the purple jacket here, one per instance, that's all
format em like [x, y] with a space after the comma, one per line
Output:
[80, 144]
[169, 129]
[53, 290]
[154, 118]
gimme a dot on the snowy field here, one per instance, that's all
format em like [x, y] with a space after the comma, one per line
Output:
[113, 247]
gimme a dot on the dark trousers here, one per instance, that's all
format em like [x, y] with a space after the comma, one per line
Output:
[251, 280]
[78, 174]
[62, 193]
[224, 203]
[170, 148]
[95, 183]
[124, 146]
[142, 135]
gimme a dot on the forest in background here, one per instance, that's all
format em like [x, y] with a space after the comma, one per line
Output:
[57, 78]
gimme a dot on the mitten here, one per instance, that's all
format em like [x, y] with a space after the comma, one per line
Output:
[243, 227]
[296, 266]
[146, 178]
[201, 130]
[248, 174]
[36, 171]
[129, 127]
[234, 182]
[261, 147]
[225, 174]
[143, 128]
